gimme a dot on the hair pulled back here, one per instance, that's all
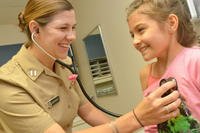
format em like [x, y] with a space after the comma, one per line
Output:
[41, 11]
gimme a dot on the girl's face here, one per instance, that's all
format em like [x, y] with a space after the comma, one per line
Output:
[58, 34]
[150, 37]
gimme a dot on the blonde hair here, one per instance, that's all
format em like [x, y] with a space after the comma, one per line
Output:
[41, 11]
[159, 10]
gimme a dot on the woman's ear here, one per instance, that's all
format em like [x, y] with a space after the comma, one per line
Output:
[173, 23]
[34, 26]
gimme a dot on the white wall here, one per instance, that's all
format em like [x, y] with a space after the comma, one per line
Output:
[10, 34]
[125, 61]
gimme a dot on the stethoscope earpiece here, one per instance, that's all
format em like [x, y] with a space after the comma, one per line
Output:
[34, 41]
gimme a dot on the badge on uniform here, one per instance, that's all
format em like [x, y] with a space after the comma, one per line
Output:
[53, 101]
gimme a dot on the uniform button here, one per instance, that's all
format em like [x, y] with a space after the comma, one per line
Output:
[62, 67]
[60, 83]
[68, 125]
[69, 106]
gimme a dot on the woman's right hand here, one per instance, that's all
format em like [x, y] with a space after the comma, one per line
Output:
[155, 109]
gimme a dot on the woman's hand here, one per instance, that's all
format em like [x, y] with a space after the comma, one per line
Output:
[154, 109]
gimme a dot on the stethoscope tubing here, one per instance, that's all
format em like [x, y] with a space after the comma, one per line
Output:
[85, 93]
[78, 79]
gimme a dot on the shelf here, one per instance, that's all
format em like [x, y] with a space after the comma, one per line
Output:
[99, 67]
[103, 79]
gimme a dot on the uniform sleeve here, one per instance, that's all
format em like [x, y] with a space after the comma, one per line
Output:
[19, 113]
[81, 95]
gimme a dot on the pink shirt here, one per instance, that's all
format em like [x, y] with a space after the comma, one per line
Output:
[185, 68]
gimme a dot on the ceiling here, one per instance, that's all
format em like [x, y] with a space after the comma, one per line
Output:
[9, 10]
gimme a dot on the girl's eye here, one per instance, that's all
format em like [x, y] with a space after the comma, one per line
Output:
[63, 28]
[132, 35]
[73, 28]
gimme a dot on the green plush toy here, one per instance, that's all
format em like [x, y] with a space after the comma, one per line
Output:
[183, 123]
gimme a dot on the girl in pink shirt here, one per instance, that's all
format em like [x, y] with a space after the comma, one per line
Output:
[162, 30]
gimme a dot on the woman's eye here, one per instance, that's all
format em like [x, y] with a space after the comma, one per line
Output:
[140, 30]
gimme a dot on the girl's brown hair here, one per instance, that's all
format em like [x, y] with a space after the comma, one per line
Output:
[159, 10]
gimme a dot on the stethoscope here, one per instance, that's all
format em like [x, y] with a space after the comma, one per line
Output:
[70, 67]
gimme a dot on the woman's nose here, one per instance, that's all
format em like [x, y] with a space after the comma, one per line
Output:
[71, 35]
[136, 41]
